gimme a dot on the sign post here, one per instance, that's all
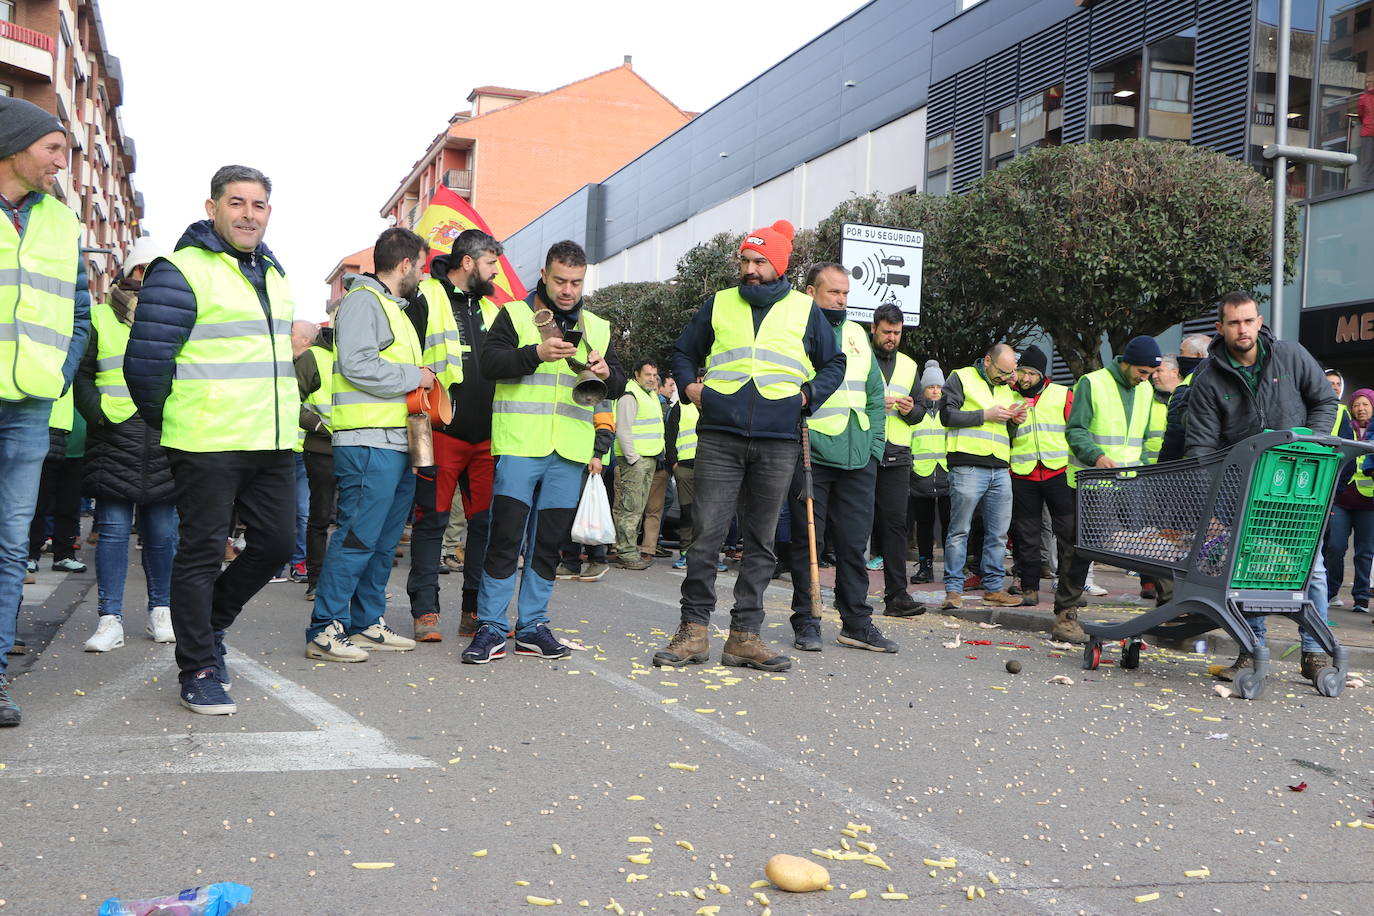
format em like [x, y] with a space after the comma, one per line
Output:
[884, 266]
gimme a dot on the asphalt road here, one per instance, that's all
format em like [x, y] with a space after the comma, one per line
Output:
[473, 780]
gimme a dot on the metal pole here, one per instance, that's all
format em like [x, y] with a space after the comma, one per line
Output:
[1280, 165]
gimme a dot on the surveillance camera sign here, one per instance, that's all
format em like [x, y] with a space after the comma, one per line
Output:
[884, 266]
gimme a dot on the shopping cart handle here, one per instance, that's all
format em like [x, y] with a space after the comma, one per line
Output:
[1336, 442]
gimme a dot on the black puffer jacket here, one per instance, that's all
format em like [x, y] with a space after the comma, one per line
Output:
[123, 460]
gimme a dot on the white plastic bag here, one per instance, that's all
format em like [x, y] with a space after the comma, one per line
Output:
[593, 523]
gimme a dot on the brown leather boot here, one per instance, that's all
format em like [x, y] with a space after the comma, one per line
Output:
[1312, 662]
[748, 650]
[467, 623]
[952, 601]
[1243, 661]
[1002, 598]
[1066, 628]
[689, 646]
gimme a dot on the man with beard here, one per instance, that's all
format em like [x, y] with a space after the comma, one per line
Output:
[456, 295]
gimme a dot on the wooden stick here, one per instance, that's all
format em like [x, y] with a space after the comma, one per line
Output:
[809, 495]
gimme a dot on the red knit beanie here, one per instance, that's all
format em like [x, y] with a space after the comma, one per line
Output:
[773, 242]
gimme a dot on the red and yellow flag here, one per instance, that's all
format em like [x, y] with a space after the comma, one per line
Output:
[449, 214]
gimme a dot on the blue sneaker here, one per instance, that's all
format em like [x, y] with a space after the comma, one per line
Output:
[875, 564]
[487, 646]
[203, 693]
[680, 562]
[721, 567]
[221, 667]
[540, 643]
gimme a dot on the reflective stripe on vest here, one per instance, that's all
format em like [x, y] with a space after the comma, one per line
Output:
[112, 339]
[1154, 432]
[443, 350]
[928, 446]
[687, 431]
[1040, 440]
[357, 409]
[989, 438]
[234, 386]
[1120, 439]
[37, 300]
[903, 379]
[321, 400]
[832, 417]
[647, 430]
[774, 359]
[535, 415]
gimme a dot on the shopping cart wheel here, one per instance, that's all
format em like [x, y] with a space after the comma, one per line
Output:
[1092, 655]
[1130, 654]
[1329, 682]
[1249, 685]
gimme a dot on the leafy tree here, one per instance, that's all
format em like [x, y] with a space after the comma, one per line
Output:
[1112, 239]
[644, 317]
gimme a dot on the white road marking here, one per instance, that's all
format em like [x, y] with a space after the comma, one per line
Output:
[339, 742]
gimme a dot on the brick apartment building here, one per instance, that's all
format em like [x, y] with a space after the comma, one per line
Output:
[515, 153]
[53, 53]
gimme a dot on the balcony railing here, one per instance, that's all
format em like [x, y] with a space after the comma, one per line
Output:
[458, 179]
[28, 36]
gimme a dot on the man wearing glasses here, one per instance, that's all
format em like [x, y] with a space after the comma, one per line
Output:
[979, 409]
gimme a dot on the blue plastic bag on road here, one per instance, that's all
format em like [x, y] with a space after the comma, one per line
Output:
[212, 900]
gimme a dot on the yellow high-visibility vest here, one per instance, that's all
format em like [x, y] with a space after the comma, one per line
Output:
[990, 438]
[647, 431]
[1154, 432]
[928, 446]
[234, 387]
[1121, 439]
[354, 408]
[37, 300]
[112, 339]
[1040, 440]
[443, 345]
[774, 359]
[321, 400]
[832, 417]
[63, 413]
[688, 414]
[900, 386]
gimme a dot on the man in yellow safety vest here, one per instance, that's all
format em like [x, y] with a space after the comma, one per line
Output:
[639, 449]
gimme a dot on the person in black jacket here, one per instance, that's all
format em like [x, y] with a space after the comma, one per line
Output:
[127, 471]
[1255, 382]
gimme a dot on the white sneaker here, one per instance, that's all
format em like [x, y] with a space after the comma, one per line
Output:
[331, 645]
[160, 625]
[1096, 591]
[1335, 602]
[381, 636]
[109, 634]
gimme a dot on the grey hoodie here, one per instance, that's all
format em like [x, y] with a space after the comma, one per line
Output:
[361, 332]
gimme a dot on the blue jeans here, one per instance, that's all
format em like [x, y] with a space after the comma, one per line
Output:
[1316, 593]
[23, 443]
[967, 486]
[302, 509]
[533, 503]
[376, 489]
[1343, 522]
[114, 518]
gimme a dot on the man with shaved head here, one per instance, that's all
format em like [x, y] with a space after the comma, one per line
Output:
[979, 410]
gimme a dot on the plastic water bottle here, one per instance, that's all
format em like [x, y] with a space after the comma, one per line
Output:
[1200, 647]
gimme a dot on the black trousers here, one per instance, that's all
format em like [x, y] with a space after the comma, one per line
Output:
[210, 488]
[427, 547]
[925, 510]
[324, 493]
[1028, 501]
[889, 526]
[843, 507]
[59, 495]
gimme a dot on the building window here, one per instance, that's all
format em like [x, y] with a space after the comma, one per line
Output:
[1042, 120]
[1343, 72]
[939, 155]
[1001, 137]
[6, 11]
[1298, 116]
[6, 89]
[1116, 100]
[1170, 103]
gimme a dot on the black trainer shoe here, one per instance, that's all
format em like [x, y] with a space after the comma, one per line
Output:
[902, 605]
[487, 646]
[221, 666]
[871, 639]
[808, 638]
[202, 692]
[540, 643]
[9, 710]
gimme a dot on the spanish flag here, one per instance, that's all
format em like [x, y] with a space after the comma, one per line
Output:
[445, 217]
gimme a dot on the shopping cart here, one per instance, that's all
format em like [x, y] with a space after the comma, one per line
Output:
[1237, 530]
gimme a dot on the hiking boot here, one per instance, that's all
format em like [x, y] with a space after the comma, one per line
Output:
[487, 645]
[221, 667]
[427, 628]
[69, 565]
[159, 627]
[381, 636]
[925, 572]
[593, 572]
[748, 650]
[541, 643]
[1066, 627]
[9, 710]
[310, 592]
[1243, 661]
[453, 562]
[690, 645]
[661, 553]
[902, 605]
[636, 562]
[1002, 598]
[870, 638]
[109, 634]
[1029, 597]
[203, 693]
[808, 637]
[1312, 662]
[564, 571]
[953, 600]
[29, 577]
[331, 645]
[467, 624]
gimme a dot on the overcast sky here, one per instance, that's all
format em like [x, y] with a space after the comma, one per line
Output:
[336, 101]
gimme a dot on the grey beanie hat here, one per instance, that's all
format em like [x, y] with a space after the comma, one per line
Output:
[21, 123]
[932, 374]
